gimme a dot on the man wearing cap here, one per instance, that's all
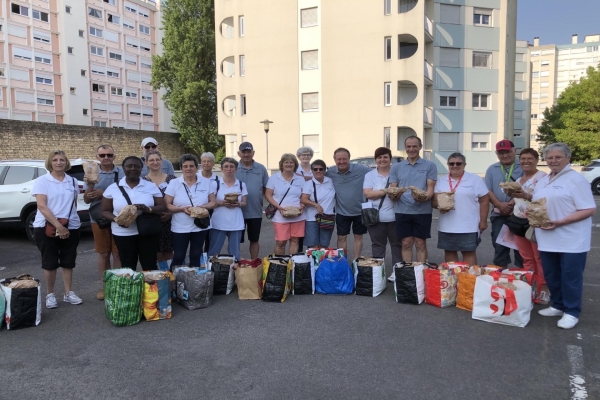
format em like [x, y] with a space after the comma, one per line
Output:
[148, 144]
[255, 177]
[507, 169]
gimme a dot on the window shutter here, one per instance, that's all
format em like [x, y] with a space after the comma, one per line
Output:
[17, 30]
[311, 141]
[22, 117]
[148, 127]
[310, 101]
[24, 97]
[97, 106]
[114, 108]
[17, 51]
[46, 118]
[448, 141]
[309, 17]
[310, 59]
[19, 74]
[130, 59]
[133, 76]
[449, 57]
[113, 37]
[449, 14]
[480, 137]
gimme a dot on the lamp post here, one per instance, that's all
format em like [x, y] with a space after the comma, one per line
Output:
[266, 123]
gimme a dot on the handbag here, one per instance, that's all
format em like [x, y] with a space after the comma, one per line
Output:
[326, 221]
[370, 216]
[147, 224]
[96, 211]
[270, 210]
[517, 225]
[51, 229]
[201, 223]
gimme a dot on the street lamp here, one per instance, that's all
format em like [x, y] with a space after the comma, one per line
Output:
[266, 123]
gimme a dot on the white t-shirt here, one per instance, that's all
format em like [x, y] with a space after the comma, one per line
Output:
[143, 193]
[565, 195]
[304, 173]
[465, 217]
[60, 198]
[325, 197]
[528, 187]
[212, 177]
[280, 186]
[229, 219]
[199, 192]
[375, 181]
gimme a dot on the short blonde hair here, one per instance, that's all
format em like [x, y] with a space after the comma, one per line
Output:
[48, 163]
[288, 157]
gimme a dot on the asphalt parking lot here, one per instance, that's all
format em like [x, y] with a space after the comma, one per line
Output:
[309, 347]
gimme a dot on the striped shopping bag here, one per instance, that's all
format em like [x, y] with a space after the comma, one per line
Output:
[123, 289]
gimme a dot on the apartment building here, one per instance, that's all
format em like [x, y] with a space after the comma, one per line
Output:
[367, 73]
[553, 69]
[81, 62]
[522, 124]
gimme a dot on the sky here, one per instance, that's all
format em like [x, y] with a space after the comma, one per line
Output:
[555, 21]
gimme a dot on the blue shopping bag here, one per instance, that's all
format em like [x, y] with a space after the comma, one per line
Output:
[334, 276]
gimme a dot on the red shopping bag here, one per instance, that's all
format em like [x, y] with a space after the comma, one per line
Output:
[440, 283]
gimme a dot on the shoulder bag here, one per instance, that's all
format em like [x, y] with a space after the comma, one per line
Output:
[201, 223]
[326, 221]
[147, 224]
[270, 210]
[96, 210]
[370, 216]
[51, 229]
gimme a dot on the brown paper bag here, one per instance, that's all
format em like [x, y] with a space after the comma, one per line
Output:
[445, 201]
[418, 194]
[127, 215]
[248, 276]
[510, 187]
[291, 212]
[198, 212]
[537, 214]
[91, 172]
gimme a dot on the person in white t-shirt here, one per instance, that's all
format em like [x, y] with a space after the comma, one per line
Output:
[56, 197]
[460, 229]
[565, 242]
[207, 164]
[319, 205]
[373, 188]
[227, 219]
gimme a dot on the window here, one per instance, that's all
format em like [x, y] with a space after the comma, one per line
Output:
[131, 60]
[242, 26]
[518, 132]
[543, 106]
[128, 24]
[23, 97]
[98, 70]
[81, 33]
[113, 19]
[590, 49]
[482, 17]
[100, 124]
[46, 102]
[535, 74]
[480, 141]
[448, 99]
[387, 48]
[114, 56]
[518, 114]
[521, 57]
[97, 106]
[133, 76]
[19, 74]
[144, 29]
[545, 73]
[131, 94]
[243, 104]
[22, 54]
[68, 9]
[519, 95]
[98, 88]
[132, 43]
[112, 74]
[534, 116]
[117, 91]
[519, 76]
[311, 141]
[43, 79]
[386, 137]
[43, 58]
[310, 59]
[387, 94]
[545, 63]
[17, 9]
[40, 15]
[83, 72]
[148, 96]
[145, 64]
[545, 94]
[310, 102]
[17, 175]
[449, 14]
[111, 2]
[387, 7]
[135, 110]
[99, 51]
[16, 30]
[145, 46]
[112, 36]
[544, 84]
[535, 53]
[480, 101]
[95, 32]
[309, 17]
[144, 13]
[449, 57]
[85, 111]
[482, 60]
[145, 79]
[448, 141]
[131, 8]
[114, 108]
[70, 50]
[41, 37]
[533, 137]
[92, 12]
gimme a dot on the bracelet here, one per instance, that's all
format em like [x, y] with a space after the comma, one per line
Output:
[149, 210]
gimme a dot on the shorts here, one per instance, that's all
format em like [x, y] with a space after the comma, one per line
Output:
[287, 230]
[344, 222]
[458, 241]
[413, 225]
[103, 240]
[57, 252]
[252, 226]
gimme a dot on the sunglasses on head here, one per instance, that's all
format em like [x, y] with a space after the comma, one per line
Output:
[457, 164]
[105, 155]
[150, 146]
[318, 169]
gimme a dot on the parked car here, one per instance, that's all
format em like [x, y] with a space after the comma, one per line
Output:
[370, 161]
[591, 172]
[17, 205]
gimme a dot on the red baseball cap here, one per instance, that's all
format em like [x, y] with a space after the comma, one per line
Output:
[505, 144]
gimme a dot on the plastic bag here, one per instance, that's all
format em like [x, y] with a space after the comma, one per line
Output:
[123, 290]
[409, 285]
[494, 302]
[23, 307]
[156, 298]
[334, 276]
[319, 254]
[248, 276]
[440, 284]
[369, 276]
[195, 287]
[222, 266]
[2, 308]
[529, 277]
[303, 276]
[276, 278]
[465, 286]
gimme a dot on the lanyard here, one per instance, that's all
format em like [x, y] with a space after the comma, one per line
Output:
[509, 173]
[452, 189]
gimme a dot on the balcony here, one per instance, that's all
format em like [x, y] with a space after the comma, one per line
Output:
[427, 117]
[428, 29]
[428, 73]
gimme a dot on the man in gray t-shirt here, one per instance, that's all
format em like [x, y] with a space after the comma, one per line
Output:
[148, 144]
[255, 177]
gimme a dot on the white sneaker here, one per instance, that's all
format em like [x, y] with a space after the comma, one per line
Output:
[550, 312]
[567, 322]
[51, 301]
[72, 298]
[392, 278]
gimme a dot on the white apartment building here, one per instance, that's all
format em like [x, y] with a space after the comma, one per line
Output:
[81, 62]
[367, 73]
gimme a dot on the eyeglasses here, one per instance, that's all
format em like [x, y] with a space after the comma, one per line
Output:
[457, 164]
[150, 146]
[105, 155]
[318, 169]
[305, 155]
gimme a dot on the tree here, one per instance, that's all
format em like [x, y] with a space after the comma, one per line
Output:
[186, 70]
[575, 118]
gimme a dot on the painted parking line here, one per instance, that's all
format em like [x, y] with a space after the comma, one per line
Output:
[591, 284]
[577, 377]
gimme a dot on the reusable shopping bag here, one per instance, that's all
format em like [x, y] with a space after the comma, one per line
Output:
[502, 299]
[466, 284]
[334, 276]
[276, 278]
[2, 308]
[123, 290]
[529, 277]
[319, 254]
[222, 266]
[248, 275]
[440, 283]
[194, 287]
[23, 307]
[369, 276]
[156, 298]
[409, 285]
[303, 274]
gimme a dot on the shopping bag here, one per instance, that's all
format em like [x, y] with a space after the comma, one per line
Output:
[409, 285]
[303, 274]
[502, 300]
[369, 276]
[440, 283]
[319, 254]
[248, 275]
[506, 238]
[156, 298]
[466, 285]
[276, 278]
[23, 307]
[2, 308]
[123, 289]
[222, 266]
[194, 287]
[334, 276]
[529, 277]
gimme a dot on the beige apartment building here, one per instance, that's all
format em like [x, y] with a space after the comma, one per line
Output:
[522, 124]
[367, 73]
[81, 62]
[553, 68]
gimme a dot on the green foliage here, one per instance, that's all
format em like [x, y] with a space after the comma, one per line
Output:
[219, 155]
[186, 70]
[575, 118]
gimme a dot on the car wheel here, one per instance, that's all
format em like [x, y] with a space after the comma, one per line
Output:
[29, 225]
[596, 186]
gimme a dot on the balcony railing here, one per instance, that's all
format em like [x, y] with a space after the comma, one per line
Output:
[428, 25]
[428, 71]
[428, 115]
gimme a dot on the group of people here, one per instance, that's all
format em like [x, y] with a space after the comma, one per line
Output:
[323, 198]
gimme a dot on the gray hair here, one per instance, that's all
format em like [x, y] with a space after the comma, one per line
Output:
[188, 157]
[566, 150]
[458, 155]
[209, 155]
[229, 160]
[305, 149]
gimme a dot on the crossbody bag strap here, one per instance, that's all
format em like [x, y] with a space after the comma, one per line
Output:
[76, 191]
[315, 187]
[124, 194]
[188, 193]
[286, 192]
[383, 198]
[116, 176]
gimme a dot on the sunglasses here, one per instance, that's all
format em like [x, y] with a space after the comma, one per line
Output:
[105, 155]
[150, 146]
[457, 164]
[318, 169]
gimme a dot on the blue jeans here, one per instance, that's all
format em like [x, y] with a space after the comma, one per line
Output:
[217, 239]
[564, 277]
[180, 245]
[501, 253]
[314, 236]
